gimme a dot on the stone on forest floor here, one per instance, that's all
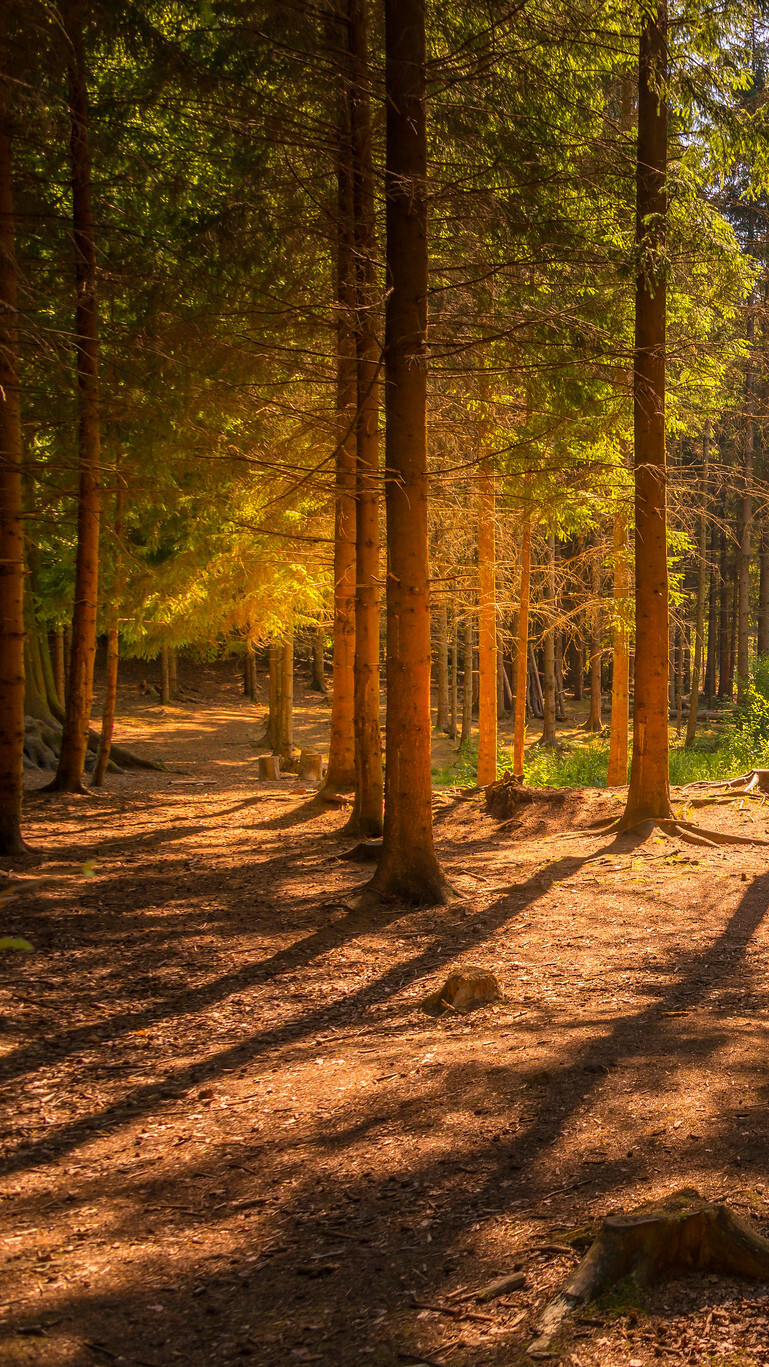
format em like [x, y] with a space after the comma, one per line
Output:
[682, 1234]
[463, 991]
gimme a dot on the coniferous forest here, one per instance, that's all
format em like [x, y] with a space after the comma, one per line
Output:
[384, 682]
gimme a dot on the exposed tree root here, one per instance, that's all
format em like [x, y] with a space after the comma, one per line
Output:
[682, 830]
[682, 1234]
[42, 743]
[365, 852]
[745, 786]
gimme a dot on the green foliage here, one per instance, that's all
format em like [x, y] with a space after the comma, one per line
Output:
[15, 942]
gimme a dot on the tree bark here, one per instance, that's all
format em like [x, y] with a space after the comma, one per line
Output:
[712, 655]
[620, 674]
[58, 664]
[649, 791]
[522, 651]
[340, 772]
[487, 628]
[366, 817]
[165, 682]
[762, 644]
[113, 651]
[286, 702]
[442, 660]
[454, 711]
[467, 684]
[699, 617]
[595, 720]
[318, 675]
[74, 739]
[408, 867]
[746, 511]
[724, 689]
[11, 525]
[271, 730]
[548, 704]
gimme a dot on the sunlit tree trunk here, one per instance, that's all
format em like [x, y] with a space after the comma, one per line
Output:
[746, 510]
[11, 526]
[58, 663]
[699, 618]
[286, 701]
[318, 677]
[442, 660]
[594, 719]
[548, 692]
[522, 650]
[763, 595]
[408, 867]
[340, 772]
[74, 738]
[649, 791]
[366, 818]
[467, 683]
[487, 628]
[454, 710]
[113, 653]
[620, 675]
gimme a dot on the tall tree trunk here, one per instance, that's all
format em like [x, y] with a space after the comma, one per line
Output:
[173, 671]
[113, 652]
[340, 772]
[548, 707]
[408, 867]
[712, 656]
[680, 641]
[699, 617]
[318, 672]
[11, 526]
[467, 684]
[74, 739]
[272, 728]
[762, 644]
[286, 701]
[746, 510]
[522, 651]
[723, 608]
[649, 791]
[595, 720]
[454, 712]
[366, 817]
[58, 663]
[620, 673]
[487, 627]
[442, 656]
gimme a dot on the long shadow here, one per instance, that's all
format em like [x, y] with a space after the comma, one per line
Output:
[142, 1100]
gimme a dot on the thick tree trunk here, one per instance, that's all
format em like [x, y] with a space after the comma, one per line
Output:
[548, 706]
[699, 618]
[467, 684]
[366, 818]
[340, 772]
[522, 651]
[620, 674]
[74, 739]
[595, 720]
[408, 867]
[649, 791]
[11, 526]
[487, 628]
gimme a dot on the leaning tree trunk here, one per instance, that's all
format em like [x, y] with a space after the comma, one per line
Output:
[649, 791]
[487, 626]
[699, 620]
[11, 526]
[366, 817]
[408, 867]
[74, 739]
[522, 652]
[620, 675]
[340, 772]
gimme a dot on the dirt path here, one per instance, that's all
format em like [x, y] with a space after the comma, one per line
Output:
[229, 1133]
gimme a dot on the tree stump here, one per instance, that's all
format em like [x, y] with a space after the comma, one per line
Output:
[269, 767]
[463, 991]
[684, 1233]
[310, 764]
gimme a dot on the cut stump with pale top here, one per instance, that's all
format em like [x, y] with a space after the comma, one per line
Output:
[464, 990]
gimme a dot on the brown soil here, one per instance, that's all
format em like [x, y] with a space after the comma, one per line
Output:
[230, 1134]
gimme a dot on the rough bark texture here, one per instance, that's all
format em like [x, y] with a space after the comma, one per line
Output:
[649, 792]
[80, 681]
[110, 695]
[11, 534]
[366, 818]
[408, 867]
[487, 629]
[746, 510]
[454, 710]
[594, 718]
[341, 755]
[318, 674]
[285, 747]
[467, 684]
[762, 643]
[522, 652]
[442, 659]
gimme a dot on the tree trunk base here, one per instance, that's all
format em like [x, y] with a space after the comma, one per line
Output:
[680, 1235]
[42, 745]
[681, 830]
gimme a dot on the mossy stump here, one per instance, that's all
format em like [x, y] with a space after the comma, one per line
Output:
[680, 1235]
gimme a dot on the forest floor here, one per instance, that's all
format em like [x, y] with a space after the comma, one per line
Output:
[230, 1134]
